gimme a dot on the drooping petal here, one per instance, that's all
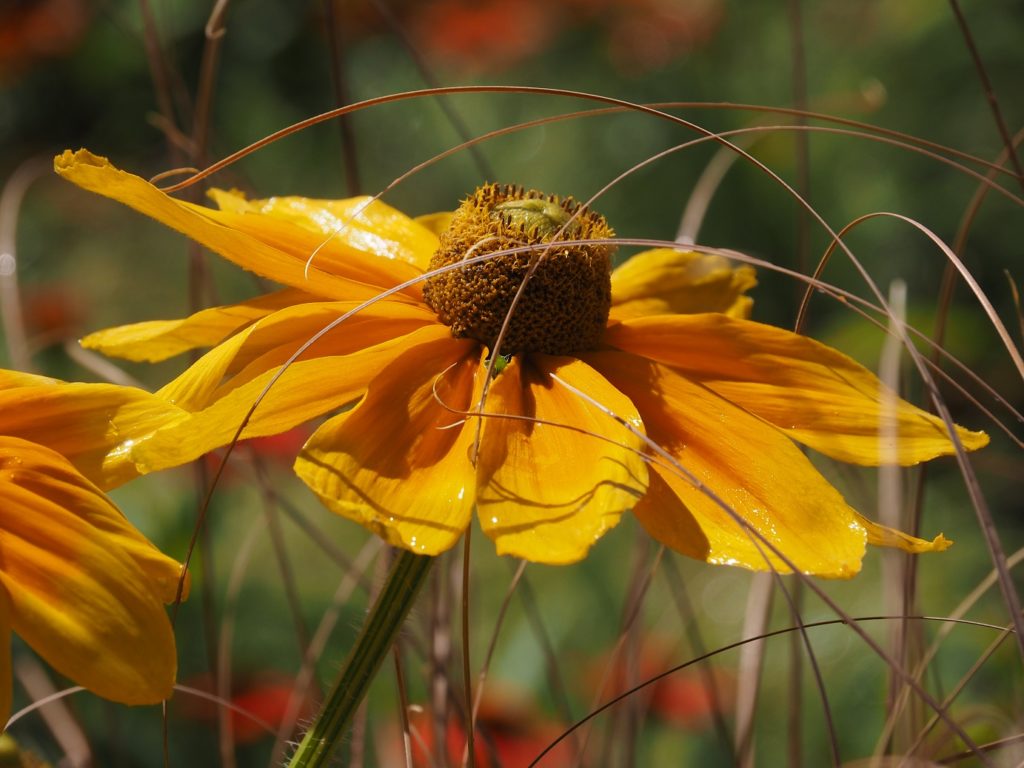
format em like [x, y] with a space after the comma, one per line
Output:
[817, 395]
[85, 588]
[157, 340]
[93, 425]
[750, 466]
[270, 247]
[307, 389]
[361, 222]
[548, 491]
[665, 281]
[398, 463]
[270, 341]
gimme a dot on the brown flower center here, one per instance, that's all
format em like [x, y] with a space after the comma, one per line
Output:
[564, 306]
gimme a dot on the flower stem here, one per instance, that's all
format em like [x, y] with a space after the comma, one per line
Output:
[407, 574]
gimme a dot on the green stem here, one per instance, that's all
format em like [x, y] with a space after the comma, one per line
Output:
[408, 573]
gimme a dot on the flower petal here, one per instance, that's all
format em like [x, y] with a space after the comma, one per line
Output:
[157, 340]
[548, 491]
[307, 389]
[398, 463]
[270, 247]
[270, 341]
[363, 223]
[85, 588]
[93, 425]
[436, 223]
[817, 395]
[749, 465]
[665, 281]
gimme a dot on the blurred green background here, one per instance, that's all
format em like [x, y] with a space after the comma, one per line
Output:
[121, 78]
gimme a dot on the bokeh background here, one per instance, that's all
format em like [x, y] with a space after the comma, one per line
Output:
[144, 84]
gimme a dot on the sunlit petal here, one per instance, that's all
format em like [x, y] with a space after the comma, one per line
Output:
[818, 395]
[156, 340]
[435, 222]
[547, 492]
[307, 389]
[360, 223]
[398, 463]
[665, 281]
[83, 592]
[269, 342]
[750, 466]
[93, 425]
[275, 249]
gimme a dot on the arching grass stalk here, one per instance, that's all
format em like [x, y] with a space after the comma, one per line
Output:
[407, 574]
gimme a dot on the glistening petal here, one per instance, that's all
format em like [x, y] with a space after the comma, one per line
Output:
[398, 463]
[750, 466]
[82, 593]
[93, 425]
[307, 389]
[157, 340]
[278, 250]
[818, 395]
[363, 223]
[665, 281]
[561, 471]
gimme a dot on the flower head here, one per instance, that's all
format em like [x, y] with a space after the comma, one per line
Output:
[78, 582]
[658, 353]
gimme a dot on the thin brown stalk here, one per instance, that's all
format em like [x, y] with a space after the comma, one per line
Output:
[340, 86]
[467, 668]
[688, 617]
[11, 319]
[440, 657]
[989, 91]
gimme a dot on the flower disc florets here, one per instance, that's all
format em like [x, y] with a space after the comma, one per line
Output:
[564, 307]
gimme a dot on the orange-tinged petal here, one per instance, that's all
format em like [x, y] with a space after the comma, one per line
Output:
[548, 491]
[270, 253]
[367, 225]
[817, 395]
[269, 342]
[6, 680]
[398, 463]
[157, 340]
[751, 466]
[85, 588]
[93, 425]
[665, 281]
[307, 389]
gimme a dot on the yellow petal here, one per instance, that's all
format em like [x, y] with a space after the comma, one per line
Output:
[665, 281]
[751, 466]
[817, 395]
[272, 248]
[435, 222]
[157, 340]
[309, 388]
[85, 587]
[367, 225]
[93, 425]
[398, 463]
[6, 680]
[548, 491]
[270, 341]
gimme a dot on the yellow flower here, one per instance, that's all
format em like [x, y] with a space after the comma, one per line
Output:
[78, 582]
[662, 343]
